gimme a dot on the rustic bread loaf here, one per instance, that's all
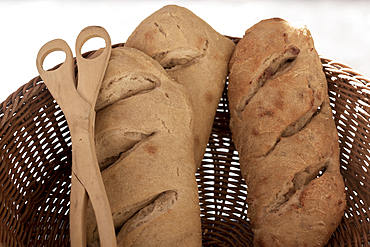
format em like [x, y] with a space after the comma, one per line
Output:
[144, 144]
[283, 129]
[193, 54]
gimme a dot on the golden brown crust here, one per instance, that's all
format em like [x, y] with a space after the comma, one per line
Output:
[144, 144]
[282, 126]
[194, 55]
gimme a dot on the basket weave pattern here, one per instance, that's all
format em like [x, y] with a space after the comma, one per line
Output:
[35, 168]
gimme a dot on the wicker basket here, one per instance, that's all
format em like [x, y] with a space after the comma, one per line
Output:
[35, 168]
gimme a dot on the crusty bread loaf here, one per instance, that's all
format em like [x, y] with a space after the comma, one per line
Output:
[144, 144]
[283, 129]
[193, 54]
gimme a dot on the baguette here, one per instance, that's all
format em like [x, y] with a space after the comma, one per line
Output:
[283, 129]
[194, 55]
[144, 145]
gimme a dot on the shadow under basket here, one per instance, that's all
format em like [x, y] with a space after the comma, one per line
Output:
[36, 159]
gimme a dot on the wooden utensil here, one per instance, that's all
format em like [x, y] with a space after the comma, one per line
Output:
[77, 101]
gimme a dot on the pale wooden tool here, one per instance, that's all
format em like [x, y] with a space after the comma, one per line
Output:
[77, 101]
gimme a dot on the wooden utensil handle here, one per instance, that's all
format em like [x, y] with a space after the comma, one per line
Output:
[61, 81]
[91, 71]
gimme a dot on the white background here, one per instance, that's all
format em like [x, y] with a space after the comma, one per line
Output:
[341, 29]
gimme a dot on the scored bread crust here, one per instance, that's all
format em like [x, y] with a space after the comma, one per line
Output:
[144, 145]
[194, 55]
[283, 129]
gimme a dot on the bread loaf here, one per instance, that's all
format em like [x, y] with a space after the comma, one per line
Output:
[284, 132]
[193, 54]
[144, 145]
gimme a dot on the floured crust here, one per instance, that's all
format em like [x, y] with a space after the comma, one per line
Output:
[144, 145]
[194, 55]
[287, 141]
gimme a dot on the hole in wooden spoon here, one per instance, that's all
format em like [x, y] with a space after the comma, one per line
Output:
[93, 44]
[52, 59]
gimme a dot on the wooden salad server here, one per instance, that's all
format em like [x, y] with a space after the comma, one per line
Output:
[77, 100]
